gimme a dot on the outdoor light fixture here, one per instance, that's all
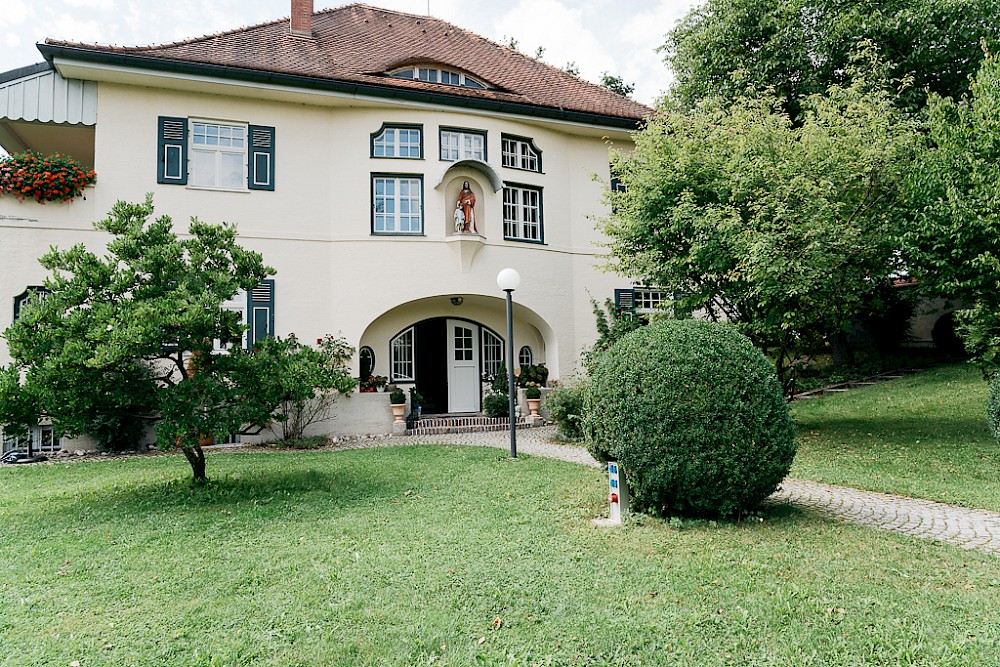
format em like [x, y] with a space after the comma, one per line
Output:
[457, 300]
[509, 280]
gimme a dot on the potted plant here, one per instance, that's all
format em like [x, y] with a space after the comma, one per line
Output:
[373, 383]
[534, 396]
[397, 401]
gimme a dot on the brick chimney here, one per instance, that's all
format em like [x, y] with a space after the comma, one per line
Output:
[302, 14]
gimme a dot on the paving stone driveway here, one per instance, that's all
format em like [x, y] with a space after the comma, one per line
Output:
[963, 527]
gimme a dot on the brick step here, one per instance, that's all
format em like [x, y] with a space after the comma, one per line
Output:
[444, 425]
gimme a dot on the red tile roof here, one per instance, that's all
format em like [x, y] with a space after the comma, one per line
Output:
[360, 44]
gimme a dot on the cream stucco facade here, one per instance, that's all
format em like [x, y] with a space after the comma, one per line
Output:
[332, 273]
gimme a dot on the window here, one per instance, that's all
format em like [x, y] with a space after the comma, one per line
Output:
[492, 355]
[520, 153]
[218, 156]
[463, 145]
[28, 296]
[401, 357]
[366, 362]
[436, 75]
[256, 312]
[236, 304]
[215, 155]
[397, 204]
[522, 213]
[524, 357]
[41, 439]
[645, 300]
[402, 141]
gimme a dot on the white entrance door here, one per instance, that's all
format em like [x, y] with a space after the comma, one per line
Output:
[463, 366]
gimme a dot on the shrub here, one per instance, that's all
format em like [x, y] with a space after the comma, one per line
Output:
[533, 374]
[311, 442]
[496, 405]
[565, 406]
[45, 178]
[499, 383]
[533, 392]
[694, 414]
[397, 397]
[993, 406]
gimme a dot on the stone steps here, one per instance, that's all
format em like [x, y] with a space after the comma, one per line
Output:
[465, 424]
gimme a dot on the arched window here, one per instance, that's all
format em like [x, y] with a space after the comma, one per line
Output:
[401, 367]
[492, 354]
[524, 357]
[438, 75]
[366, 362]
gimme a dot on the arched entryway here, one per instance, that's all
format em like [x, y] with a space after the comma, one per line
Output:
[449, 359]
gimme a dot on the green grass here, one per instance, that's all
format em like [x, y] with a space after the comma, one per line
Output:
[407, 556]
[923, 436]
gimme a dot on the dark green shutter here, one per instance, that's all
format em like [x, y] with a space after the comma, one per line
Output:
[261, 168]
[625, 301]
[172, 150]
[260, 312]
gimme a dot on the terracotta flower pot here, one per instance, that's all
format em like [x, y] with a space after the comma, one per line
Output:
[398, 410]
[533, 405]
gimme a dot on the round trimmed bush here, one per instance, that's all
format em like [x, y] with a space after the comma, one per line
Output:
[694, 414]
[993, 406]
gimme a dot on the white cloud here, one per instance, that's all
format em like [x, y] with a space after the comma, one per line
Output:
[92, 4]
[11, 40]
[560, 29]
[73, 29]
[16, 12]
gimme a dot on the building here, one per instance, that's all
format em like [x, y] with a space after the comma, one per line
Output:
[388, 165]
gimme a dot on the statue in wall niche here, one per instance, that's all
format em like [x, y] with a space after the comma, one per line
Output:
[467, 202]
[459, 218]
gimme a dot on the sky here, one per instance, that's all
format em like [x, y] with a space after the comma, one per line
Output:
[615, 36]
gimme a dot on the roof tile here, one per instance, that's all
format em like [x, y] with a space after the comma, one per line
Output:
[359, 43]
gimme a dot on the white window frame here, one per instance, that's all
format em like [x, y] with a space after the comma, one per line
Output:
[648, 299]
[43, 439]
[238, 304]
[437, 75]
[462, 145]
[402, 365]
[398, 141]
[388, 216]
[226, 144]
[522, 213]
[492, 353]
[525, 357]
[520, 154]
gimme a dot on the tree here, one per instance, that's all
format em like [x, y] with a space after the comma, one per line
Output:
[953, 244]
[572, 68]
[787, 230]
[148, 310]
[731, 48]
[616, 84]
[306, 380]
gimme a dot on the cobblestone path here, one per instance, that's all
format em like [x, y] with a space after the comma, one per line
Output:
[963, 527]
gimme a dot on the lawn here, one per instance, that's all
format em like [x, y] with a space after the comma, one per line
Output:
[923, 436]
[451, 556]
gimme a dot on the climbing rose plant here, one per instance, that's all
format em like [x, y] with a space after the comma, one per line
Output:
[45, 178]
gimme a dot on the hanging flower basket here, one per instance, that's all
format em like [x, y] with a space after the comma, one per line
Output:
[44, 178]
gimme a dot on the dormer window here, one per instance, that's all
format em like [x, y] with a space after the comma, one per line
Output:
[436, 75]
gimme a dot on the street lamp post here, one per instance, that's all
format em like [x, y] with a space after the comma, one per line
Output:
[509, 280]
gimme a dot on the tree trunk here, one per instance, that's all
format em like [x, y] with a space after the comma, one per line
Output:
[196, 457]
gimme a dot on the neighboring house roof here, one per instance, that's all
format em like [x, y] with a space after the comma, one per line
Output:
[359, 44]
